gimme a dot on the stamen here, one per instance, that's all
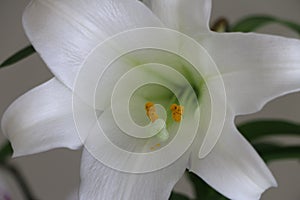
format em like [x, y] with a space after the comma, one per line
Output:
[157, 125]
[177, 112]
[151, 111]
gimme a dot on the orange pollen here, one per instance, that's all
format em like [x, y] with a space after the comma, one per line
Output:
[151, 111]
[177, 112]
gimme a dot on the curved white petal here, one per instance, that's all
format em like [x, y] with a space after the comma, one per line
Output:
[255, 68]
[233, 167]
[41, 119]
[101, 182]
[65, 31]
[187, 16]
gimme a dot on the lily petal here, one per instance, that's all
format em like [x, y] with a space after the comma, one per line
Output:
[187, 16]
[41, 119]
[233, 167]
[256, 68]
[65, 31]
[101, 182]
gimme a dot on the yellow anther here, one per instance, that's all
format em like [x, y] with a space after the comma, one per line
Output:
[158, 126]
[177, 112]
[151, 111]
[148, 105]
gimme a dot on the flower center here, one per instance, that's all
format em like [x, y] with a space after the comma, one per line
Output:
[174, 69]
[158, 126]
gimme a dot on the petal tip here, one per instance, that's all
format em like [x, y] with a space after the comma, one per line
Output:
[16, 153]
[273, 182]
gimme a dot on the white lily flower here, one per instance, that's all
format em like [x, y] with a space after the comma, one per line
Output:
[255, 68]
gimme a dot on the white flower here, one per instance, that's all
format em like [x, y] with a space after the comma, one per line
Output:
[255, 69]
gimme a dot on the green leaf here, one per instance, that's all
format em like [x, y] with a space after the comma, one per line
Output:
[290, 152]
[257, 129]
[252, 23]
[177, 196]
[271, 152]
[6, 151]
[266, 146]
[203, 190]
[20, 55]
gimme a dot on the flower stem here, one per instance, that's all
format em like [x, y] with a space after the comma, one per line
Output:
[20, 180]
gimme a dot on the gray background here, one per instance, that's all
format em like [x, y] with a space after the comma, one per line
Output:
[53, 174]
